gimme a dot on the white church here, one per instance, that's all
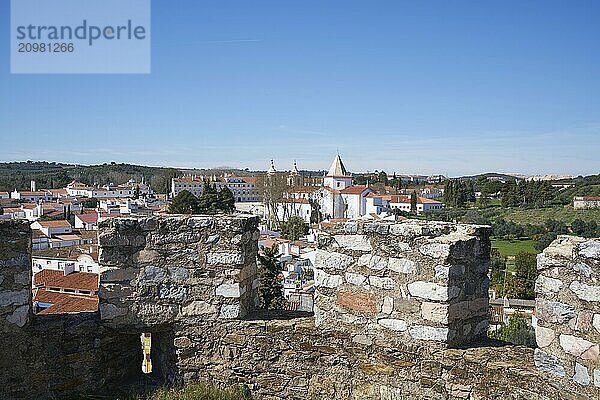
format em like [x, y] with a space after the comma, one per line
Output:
[338, 198]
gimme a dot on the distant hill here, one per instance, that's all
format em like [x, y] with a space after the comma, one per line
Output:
[491, 175]
[51, 175]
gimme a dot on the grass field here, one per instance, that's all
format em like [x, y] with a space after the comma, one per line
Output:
[538, 216]
[509, 248]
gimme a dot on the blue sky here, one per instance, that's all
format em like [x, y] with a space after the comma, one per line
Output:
[413, 87]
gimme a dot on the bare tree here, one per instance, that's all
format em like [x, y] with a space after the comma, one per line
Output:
[273, 189]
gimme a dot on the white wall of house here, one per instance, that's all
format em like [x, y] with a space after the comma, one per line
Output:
[84, 263]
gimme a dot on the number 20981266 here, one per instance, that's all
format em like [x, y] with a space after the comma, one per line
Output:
[45, 48]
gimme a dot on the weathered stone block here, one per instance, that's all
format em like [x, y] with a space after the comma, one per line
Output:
[373, 262]
[553, 311]
[403, 265]
[382, 283]
[582, 375]
[585, 292]
[433, 291]
[225, 258]
[355, 279]
[332, 260]
[590, 249]
[423, 332]
[547, 285]
[393, 324]
[229, 290]
[548, 363]
[360, 302]
[354, 242]
[544, 336]
[324, 279]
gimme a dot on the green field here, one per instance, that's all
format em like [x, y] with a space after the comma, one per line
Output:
[538, 216]
[509, 248]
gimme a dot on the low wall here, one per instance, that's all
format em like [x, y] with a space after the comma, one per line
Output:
[568, 311]
[158, 271]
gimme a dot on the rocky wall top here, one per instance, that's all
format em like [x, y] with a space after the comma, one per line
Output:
[15, 275]
[159, 270]
[568, 311]
[417, 281]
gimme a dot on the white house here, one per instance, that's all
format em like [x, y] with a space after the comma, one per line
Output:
[86, 221]
[586, 202]
[52, 228]
[78, 189]
[79, 259]
[31, 196]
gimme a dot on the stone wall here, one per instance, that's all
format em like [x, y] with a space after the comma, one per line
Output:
[159, 271]
[191, 282]
[49, 356]
[568, 311]
[413, 281]
[15, 275]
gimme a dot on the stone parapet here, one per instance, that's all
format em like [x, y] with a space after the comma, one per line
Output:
[568, 311]
[413, 281]
[15, 275]
[156, 271]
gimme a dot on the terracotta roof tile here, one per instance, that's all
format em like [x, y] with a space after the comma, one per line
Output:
[54, 224]
[64, 303]
[75, 280]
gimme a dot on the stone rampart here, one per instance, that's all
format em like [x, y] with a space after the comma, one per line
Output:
[568, 311]
[191, 282]
[159, 271]
[414, 281]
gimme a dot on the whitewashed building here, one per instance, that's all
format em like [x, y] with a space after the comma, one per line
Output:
[586, 202]
[243, 188]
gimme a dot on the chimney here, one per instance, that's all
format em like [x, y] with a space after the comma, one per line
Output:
[69, 268]
[33, 186]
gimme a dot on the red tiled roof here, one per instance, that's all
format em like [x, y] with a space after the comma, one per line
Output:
[302, 189]
[65, 303]
[425, 200]
[54, 224]
[32, 193]
[591, 198]
[87, 218]
[299, 201]
[75, 280]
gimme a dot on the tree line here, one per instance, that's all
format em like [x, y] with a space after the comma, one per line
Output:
[211, 201]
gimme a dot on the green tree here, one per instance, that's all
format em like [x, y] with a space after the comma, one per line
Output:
[382, 178]
[208, 203]
[184, 203]
[294, 228]
[226, 201]
[518, 331]
[521, 285]
[90, 203]
[270, 288]
[413, 202]
[136, 192]
[1, 210]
